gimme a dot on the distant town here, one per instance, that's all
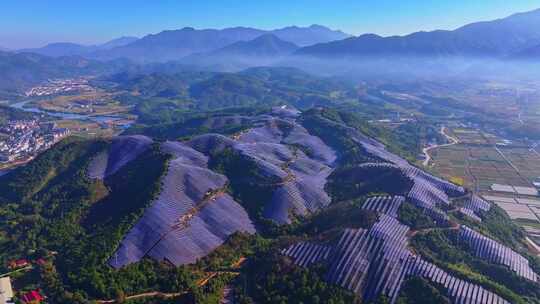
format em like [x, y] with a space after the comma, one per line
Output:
[59, 86]
[21, 140]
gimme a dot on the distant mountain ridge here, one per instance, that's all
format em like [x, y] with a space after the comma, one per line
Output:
[506, 37]
[176, 44]
[60, 49]
[22, 70]
[482, 39]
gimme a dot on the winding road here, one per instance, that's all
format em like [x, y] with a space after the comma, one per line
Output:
[451, 141]
[202, 282]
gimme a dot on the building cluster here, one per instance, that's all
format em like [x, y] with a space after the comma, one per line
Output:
[24, 139]
[8, 295]
[58, 86]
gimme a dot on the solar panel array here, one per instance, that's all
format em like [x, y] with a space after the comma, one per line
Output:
[298, 179]
[430, 187]
[304, 253]
[267, 132]
[122, 150]
[377, 261]
[445, 186]
[474, 206]
[268, 146]
[207, 230]
[460, 291]
[184, 154]
[470, 214]
[427, 197]
[180, 226]
[318, 149]
[210, 143]
[302, 194]
[423, 194]
[275, 153]
[388, 205]
[192, 215]
[369, 262]
[494, 252]
[378, 150]
[186, 221]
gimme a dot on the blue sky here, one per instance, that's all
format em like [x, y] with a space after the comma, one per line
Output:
[31, 23]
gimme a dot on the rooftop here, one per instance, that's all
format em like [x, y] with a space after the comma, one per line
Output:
[6, 290]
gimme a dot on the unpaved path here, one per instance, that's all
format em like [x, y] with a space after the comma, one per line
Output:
[451, 141]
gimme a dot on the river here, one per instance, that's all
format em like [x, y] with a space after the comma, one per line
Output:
[69, 116]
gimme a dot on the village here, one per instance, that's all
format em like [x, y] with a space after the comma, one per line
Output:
[21, 140]
[58, 86]
[16, 269]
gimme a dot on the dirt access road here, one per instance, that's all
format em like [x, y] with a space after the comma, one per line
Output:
[451, 141]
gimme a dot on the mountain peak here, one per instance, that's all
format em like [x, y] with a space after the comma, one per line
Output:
[266, 45]
[495, 39]
[304, 36]
[318, 27]
[267, 37]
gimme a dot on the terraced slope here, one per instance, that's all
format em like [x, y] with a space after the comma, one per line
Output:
[296, 163]
[122, 150]
[192, 215]
[376, 262]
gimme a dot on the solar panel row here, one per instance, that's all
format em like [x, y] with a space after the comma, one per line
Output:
[388, 205]
[495, 252]
[305, 254]
[474, 207]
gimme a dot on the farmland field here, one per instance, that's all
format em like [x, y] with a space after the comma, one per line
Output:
[481, 166]
[503, 174]
[92, 103]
